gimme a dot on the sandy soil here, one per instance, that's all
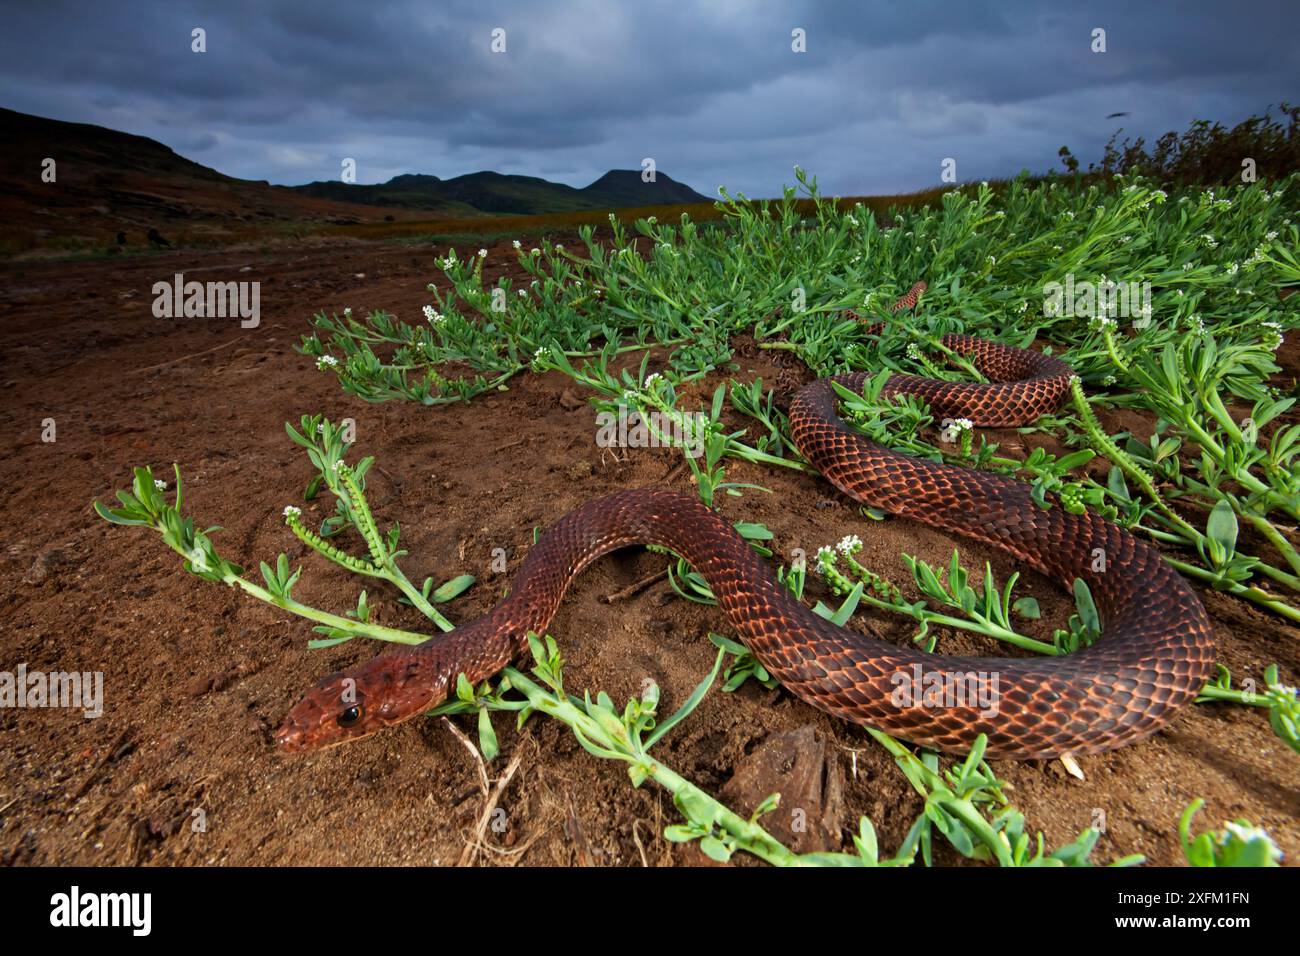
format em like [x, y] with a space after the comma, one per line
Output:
[196, 675]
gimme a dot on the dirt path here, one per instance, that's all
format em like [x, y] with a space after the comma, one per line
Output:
[179, 769]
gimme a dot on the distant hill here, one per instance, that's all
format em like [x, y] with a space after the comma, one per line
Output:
[108, 182]
[408, 191]
[111, 183]
[509, 195]
[623, 187]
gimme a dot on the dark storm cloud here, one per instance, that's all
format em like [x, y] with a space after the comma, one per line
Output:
[710, 89]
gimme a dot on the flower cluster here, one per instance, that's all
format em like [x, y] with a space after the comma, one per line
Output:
[955, 429]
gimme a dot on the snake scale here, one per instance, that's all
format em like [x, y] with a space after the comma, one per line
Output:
[1155, 655]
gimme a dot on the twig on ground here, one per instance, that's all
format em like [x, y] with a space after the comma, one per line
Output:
[186, 358]
[636, 588]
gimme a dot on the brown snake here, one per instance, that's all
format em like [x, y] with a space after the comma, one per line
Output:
[1156, 654]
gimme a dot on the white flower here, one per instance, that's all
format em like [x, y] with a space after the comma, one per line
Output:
[482, 253]
[559, 248]
[433, 315]
[534, 251]
[326, 361]
[849, 544]
[160, 484]
[523, 292]
[337, 465]
[347, 311]
[1232, 268]
[825, 555]
[1270, 236]
[517, 244]
[954, 428]
[541, 351]
[1187, 267]
[652, 378]
[292, 511]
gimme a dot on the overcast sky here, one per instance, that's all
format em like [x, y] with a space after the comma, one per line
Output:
[710, 89]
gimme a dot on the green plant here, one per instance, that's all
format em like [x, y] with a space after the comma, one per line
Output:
[628, 736]
[1239, 843]
[599, 727]
[783, 272]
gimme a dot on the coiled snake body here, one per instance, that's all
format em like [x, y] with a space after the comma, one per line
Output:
[1156, 653]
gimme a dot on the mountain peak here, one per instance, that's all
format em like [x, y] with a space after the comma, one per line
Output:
[626, 187]
[407, 180]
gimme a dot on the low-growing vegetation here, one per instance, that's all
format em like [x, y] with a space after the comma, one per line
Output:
[1169, 302]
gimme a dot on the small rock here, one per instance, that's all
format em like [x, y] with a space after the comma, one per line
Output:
[579, 470]
[199, 685]
[798, 766]
[40, 569]
[569, 401]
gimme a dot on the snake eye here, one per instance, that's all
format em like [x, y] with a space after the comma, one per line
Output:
[350, 716]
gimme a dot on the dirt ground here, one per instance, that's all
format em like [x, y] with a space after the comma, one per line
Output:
[197, 675]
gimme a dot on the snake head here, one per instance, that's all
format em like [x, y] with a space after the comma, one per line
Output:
[355, 703]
